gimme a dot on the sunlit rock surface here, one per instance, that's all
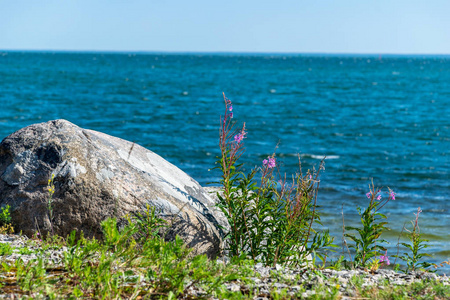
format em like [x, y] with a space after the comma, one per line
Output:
[99, 176]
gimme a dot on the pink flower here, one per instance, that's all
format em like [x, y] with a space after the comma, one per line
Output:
[385, 258]
[230, 108]
[270, 163]
[379, 197]
[231, 115]
[239, 137]
[392, 195]
[368, 195]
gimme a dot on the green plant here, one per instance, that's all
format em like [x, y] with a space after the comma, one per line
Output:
[51, 191]
[5, 220]
[337, 265]
[366, 246]
[148, 223]
[416, 246]
[321, 243]
[32, 275]
[270, 221]
[423, 289]
[374, 264]
[5, 215]
[5, 249]
[54, 242]
[25, 251]
[126, 264]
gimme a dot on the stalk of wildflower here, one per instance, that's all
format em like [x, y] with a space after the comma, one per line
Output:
[366, 245]
[51, 191]
[416, 226]
[268, 165]
[230, 144]
[231, 147]
[309, 192]
[416, 246]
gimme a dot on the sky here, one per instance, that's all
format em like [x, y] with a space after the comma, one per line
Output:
[284, 26]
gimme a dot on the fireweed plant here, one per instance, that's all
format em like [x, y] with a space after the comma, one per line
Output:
[270, 221]
[367, 244]
[417, 245]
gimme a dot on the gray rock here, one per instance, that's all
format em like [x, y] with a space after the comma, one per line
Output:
[99, 176]
[235, 287]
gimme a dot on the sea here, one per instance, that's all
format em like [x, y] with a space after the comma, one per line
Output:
[381, 119]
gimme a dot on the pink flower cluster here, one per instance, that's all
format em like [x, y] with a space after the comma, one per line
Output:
[392, 195]
[369, 194]
[240, 136]
[384, 258]
[270, 163]
[230, 108]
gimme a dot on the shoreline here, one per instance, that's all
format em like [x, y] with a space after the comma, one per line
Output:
[263, 282]
[443, 269]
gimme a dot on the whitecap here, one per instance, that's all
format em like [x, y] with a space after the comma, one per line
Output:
[324, 156]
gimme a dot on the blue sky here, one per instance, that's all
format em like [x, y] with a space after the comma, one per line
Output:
[292, 26]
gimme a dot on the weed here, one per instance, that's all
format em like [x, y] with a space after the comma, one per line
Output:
[425, 289]
[148, 223]
[416, 246]
[374, 265]
[366, 246]
[356, 282]
[31, 276]
[5, 220]
[25, 251]
[338, 264]
[122, 267]
[51, 191]
[5, 249]
[5, 215]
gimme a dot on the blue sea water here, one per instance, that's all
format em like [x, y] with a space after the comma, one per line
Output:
[380, 118]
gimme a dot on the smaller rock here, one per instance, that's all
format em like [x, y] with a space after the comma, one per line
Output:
[234, 287]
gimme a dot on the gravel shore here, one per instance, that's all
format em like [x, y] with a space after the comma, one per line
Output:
[262, 284]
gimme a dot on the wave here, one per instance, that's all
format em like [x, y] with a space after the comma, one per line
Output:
[314, 156]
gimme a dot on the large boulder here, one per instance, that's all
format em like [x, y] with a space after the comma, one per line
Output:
[97, 176]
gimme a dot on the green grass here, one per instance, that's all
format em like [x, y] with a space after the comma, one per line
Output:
[425, 289]
[124, 266]
[120, 266]
[5, 249]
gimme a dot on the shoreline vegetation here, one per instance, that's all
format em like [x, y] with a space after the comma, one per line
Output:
[272, 249]
[56, 268]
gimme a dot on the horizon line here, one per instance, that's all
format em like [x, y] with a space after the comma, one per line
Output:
[225, 52]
